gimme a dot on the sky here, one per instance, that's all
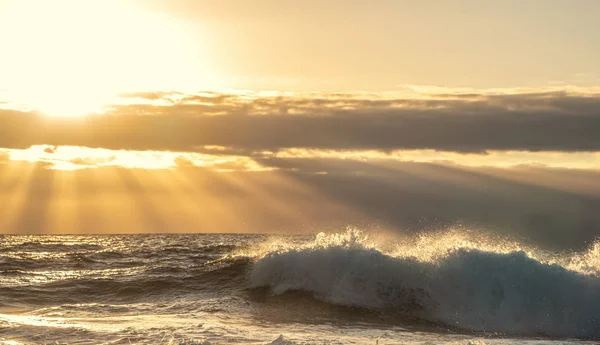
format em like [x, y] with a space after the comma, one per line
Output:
[287, 116]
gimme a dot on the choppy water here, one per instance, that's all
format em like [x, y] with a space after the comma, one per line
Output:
[345, 288]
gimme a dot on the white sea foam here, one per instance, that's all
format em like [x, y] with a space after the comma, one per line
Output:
[281, 341]
[501, 288]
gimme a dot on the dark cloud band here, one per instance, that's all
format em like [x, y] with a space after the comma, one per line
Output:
[461, 123]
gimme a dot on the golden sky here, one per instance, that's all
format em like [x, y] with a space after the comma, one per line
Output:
[155, 100]
[104, 46]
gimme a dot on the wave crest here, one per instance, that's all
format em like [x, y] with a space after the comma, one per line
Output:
[485, 290]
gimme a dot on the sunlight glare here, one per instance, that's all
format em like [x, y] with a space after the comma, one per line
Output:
[71, 57]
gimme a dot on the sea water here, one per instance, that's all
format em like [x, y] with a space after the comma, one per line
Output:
[448, 287]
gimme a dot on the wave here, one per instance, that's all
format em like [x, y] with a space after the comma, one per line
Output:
[506, 291]
[120, 285]
[454, 278]
[39, 255]
[49, 246]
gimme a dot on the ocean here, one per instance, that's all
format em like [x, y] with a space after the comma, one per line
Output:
[351, 287]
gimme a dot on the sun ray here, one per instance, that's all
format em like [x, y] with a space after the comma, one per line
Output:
[212, 215]
[19, 177]
[64, 205]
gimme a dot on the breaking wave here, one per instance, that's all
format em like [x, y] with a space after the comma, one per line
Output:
[469, 284]
[455, 278]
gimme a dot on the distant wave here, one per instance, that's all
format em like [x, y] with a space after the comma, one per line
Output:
[469, 288]
[46, 247]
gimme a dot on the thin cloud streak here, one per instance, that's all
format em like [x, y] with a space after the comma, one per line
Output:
[226, 159]
[75, 158]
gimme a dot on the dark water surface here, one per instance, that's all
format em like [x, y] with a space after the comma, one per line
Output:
[250, 289]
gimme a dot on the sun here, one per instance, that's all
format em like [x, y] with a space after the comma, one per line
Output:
[71, 57]
[65, 101]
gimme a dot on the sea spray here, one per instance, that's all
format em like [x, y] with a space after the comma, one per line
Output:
[485, 290]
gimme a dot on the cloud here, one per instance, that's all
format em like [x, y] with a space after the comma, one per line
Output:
[311, 160]
[75, 157]
[543, 121]
[575, 160]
